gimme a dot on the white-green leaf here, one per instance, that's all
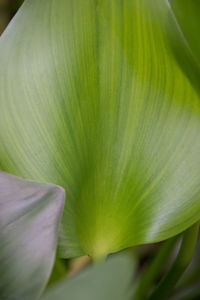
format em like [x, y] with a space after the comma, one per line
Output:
[93, 99]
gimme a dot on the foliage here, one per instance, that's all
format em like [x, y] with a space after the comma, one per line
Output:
[101, 98]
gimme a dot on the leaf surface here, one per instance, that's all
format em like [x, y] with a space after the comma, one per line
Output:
[94, 99]
[187, 16]
[29, 217]
[111, 279]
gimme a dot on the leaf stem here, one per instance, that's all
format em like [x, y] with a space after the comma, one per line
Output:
[151, 273]
[182, 261]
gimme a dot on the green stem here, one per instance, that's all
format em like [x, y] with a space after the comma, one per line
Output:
[152, 272]
[179, 266]
[193, 275]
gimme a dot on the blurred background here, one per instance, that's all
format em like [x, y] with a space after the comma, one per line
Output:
[8, 9]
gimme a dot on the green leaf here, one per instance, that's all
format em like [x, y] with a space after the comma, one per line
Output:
[187, 16]
[29, 218]
[93, 99]
[108, 280]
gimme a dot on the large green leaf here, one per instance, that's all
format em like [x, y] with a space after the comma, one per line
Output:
[29, 218]
[93, 99]
[110, 280]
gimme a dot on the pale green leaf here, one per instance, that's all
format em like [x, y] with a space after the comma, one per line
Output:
[93, 99]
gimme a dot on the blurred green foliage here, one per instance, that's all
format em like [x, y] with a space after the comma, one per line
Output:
[8, 9]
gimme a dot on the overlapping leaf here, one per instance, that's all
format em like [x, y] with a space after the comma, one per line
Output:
[93, 99]
[186, 14]
[112, 279]
[29, 217]
[187, 17]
